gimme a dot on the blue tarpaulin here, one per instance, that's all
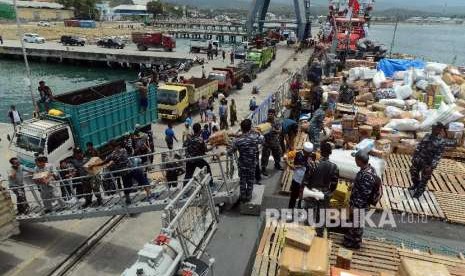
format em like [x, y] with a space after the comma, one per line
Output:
[389, 66]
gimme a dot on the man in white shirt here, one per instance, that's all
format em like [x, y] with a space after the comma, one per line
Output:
[15, 117]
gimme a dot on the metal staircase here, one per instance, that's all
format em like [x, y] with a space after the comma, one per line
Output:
[225, 190]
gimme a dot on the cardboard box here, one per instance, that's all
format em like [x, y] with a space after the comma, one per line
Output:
[315, 262]
[349, 122]
[351, 135]
[344, 272]
[383, 145]
[299, 237]
[343, 258]
[342, 192]
[411, 267]
[90, 168]
[365, 131]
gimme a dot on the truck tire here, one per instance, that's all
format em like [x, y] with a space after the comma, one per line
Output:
[240, 85]
[141, 47]
[247, 79]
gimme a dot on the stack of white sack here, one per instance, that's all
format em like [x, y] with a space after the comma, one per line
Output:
[445, 114]
[347, 167]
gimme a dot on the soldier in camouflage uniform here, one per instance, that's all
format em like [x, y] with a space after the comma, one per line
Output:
[360, 199]
[316, 125]
[425, 159]
[247, 145]
[271, 144]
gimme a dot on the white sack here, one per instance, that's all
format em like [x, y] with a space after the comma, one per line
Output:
[379, 78]
[393, 112]
[404, 124]
[435, 67]
[393, 102]
[347, 167]
[418, 74]
[445, 90]
[403, 92]
[399, 75]
[422, 84]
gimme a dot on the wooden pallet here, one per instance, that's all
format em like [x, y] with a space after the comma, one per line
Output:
[453, 206]
[456, 153]
[404, 161]
[442, 182]
[269, 250]
[456, 266]
[373, 257]
[400, 199]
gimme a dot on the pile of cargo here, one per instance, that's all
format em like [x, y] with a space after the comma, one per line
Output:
[397, 108]
[8, 223]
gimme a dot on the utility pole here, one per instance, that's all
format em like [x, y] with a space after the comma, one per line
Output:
[28, 70]
[394, 37]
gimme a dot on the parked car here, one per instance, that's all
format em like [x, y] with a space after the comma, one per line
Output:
[111, 43]
[43, 24]
[72, 40]
[33, 38]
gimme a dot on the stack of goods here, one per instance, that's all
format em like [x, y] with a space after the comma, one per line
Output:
[264, 128]
[400, 107]
[304, 253]
[350, 129]
[220, 138]
[8, 223]
[352, 63]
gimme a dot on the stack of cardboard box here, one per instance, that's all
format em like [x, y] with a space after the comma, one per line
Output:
[304, 254]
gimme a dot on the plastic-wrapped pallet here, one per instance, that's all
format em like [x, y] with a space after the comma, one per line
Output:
[347, 167]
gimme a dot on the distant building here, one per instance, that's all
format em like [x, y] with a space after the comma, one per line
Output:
[105, 11]
[37, 11]
[130, 10]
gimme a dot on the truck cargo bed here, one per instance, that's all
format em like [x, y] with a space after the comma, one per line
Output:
[90, 94]
[104, 112]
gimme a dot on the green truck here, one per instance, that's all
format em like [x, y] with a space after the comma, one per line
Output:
[261, 57]
[97, 114]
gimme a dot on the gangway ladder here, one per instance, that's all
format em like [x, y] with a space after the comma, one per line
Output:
[225, 190]
[189, 222]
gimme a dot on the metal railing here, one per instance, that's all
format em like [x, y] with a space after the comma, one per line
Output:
[65, 194]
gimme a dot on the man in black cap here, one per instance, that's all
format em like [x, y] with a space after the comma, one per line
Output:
[362, 191]
[426, 158]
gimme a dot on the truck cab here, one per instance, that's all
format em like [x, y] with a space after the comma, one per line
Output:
[256, 57]
[224, 80]
[172, 101]
[54, 139]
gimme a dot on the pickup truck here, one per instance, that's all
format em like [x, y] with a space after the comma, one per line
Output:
[228, 78]
[176, 100]
[261, 57]
[97, 114]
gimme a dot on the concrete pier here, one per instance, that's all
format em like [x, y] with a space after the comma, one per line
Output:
[55, 52]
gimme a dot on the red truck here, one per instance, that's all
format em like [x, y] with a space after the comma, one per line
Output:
[228, 78]
[153, 40]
